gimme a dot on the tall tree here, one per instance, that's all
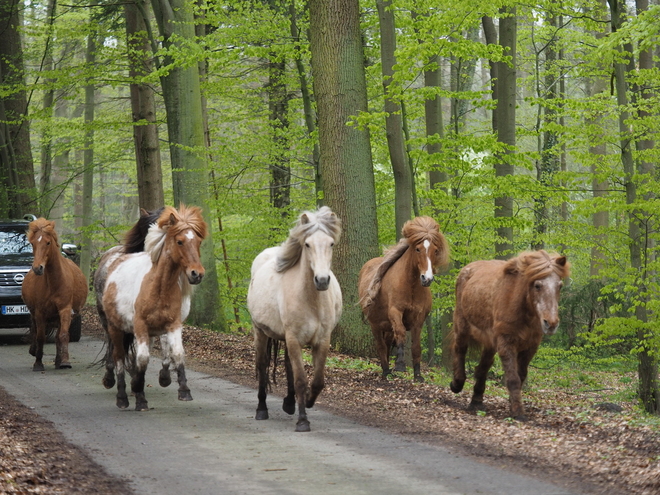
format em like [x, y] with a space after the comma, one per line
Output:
[16, 165]
[346, 164]
[649, 387]
[185, 126]
[143, 106]
[396, 144]
[506, 129]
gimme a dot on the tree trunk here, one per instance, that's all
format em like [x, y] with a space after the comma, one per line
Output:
[88, 160]
[18, 192]
[278, 106]
[393, 119]
[346, 163]
[143, 107]
[185, 125]
[649, 391]
[506, 130]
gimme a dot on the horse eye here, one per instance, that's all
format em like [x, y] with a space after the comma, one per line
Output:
[180, 243]
[537, 286]
[417, 249]
[332, 244]
[306, 245]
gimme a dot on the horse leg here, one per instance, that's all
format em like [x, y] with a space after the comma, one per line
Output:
[460, 349]
[39, 338]
[289, 402]
[175, 346]
[62, 340]
[509, 359]
[164, 376]
[141, 362]
[109, 377]
[524, 358]
[396, 320]
[480, 375]
[116, 345]
[416, 350]
[383, 349]
[319, 355]
[300, 381]
[262, 358]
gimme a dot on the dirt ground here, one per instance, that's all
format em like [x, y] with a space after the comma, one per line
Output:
[577, 445]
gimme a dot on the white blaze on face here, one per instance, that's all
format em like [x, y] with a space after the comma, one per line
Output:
[190, 235]
[429, 270]
[40, 237]
[547, 304]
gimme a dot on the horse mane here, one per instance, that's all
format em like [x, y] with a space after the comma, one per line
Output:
[171, 222]
[414, 231]
[134, 238]
[535, 265]
[41, 224]
[323, 219]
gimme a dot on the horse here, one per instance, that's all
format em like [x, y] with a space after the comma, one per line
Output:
[294, 297]
[505, 307]
[147, 294]
[394, 291]
[54, 291]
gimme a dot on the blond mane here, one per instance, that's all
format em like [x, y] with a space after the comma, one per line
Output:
[309, 222]
[42, 225]
[535, 265]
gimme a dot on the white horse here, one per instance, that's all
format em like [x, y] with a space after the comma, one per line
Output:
[294, 297]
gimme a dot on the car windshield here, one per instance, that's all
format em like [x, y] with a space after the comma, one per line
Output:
[12, 242]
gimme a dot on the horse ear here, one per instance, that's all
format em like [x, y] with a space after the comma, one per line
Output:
[143, 212]
[172, 219]
[561, 261]
[304, 219]
[511, 267]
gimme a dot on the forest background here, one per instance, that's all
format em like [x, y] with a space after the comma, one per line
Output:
[516, 125]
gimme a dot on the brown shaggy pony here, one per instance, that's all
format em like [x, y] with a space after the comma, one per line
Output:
[394, 290]
[54, 290]
[505, 307]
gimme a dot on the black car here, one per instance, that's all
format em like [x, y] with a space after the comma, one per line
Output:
[15, 262]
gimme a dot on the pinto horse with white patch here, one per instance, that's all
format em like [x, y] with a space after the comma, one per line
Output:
[394, 291]
[505, 307]
[54, 290]
[147, 294]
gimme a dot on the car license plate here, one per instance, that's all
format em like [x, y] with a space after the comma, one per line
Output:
[19, 309]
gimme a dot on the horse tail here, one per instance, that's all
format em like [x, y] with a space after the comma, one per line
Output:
[271, 357]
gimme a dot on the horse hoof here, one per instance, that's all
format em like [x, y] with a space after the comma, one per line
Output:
[289, 407]
[419, 379]
[456, 388]
[400, 367]
[476, 406]
[164, 378]
[185, 395]
[141, 406]
[122, 403]
[108, 382]
[303, 426]
[38, 367]
[263, 414]
[64, 366]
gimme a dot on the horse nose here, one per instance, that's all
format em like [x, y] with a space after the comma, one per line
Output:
[195, 277]
[321, 283]
[550, 327]
[39, 270]
[426, 281]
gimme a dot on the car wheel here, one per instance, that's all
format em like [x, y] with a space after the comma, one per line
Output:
[75, 329]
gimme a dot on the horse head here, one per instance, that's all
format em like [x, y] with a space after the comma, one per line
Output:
[429, 248]
[323, 229]
[544, 274]
[185, 230]
[41, 234]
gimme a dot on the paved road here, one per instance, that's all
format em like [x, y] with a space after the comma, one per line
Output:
[213, 445]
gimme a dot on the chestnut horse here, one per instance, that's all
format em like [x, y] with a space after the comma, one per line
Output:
[54, 290]
[147, 294]
[394, 290]
[294, 297]
[505, 307]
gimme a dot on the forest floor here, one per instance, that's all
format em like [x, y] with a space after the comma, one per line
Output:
[568, 438]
